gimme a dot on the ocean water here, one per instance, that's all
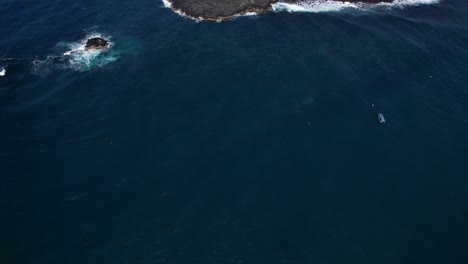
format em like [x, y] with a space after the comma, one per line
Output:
[253, 140]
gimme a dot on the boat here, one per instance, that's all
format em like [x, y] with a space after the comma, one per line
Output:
[2, 71]
[381, 118]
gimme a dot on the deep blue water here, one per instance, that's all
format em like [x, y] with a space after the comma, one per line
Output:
[248, 141]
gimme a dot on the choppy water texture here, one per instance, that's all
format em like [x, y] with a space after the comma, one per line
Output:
[253, 140]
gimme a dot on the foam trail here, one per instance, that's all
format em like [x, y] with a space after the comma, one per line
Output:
[313, 6]
[404, 3]
[318, 6]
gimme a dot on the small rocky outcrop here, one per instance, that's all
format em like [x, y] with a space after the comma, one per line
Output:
[96, 43]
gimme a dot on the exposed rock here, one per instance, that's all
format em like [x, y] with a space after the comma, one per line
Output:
[222, 9]
[96, 43]
[219, 9]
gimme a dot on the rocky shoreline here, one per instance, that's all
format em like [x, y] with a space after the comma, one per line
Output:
[215, 10]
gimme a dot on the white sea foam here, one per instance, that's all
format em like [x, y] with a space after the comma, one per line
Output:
[247, 14]
[2, 71]
[313, 6]
[318, 6]
[404, 3]
[76, 57]
[168, 4]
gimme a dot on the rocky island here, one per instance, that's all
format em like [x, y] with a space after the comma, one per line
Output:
[96, 43]
[223, 9]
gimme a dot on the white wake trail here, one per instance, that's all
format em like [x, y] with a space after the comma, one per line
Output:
[318, 6]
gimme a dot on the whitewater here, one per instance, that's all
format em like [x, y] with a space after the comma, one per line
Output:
[319, 6]
[75, 57]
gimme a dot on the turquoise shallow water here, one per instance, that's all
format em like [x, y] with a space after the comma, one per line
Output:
[248, 141]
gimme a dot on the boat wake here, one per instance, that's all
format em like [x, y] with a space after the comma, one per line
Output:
[318, 6]
[74, 56]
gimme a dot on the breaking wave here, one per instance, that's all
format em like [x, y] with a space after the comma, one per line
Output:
[318, 6]
[313, 6]
[75, 57]
[168, 4]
